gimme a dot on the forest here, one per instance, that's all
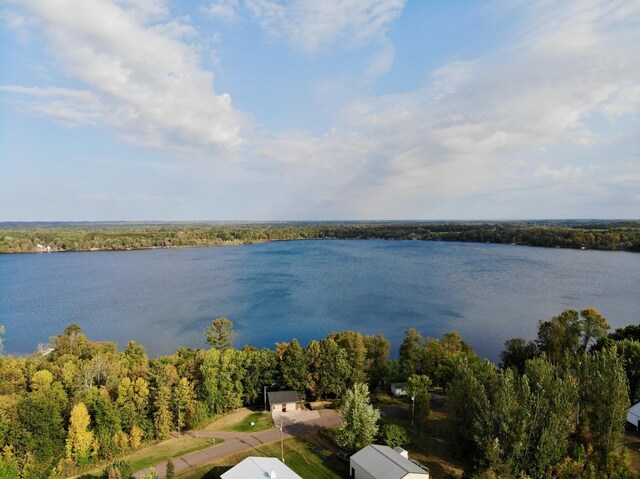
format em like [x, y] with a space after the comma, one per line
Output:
[554, 408]
[33, 237]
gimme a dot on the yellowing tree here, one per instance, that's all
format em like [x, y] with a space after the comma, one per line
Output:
[81, 444]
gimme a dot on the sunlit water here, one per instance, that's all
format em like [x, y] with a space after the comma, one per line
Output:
[305, 289]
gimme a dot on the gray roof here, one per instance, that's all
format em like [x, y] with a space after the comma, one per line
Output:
[384, 462]
[260, 468]
[279, 397]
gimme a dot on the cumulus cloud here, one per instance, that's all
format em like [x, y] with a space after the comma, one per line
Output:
[310, 26]
[477, 128]
[145, 83]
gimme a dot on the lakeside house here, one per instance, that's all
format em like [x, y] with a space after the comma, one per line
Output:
[381, 462]
[283, 401]
[260, 468]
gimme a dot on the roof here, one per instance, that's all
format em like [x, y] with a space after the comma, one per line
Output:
[260, 468]
[279, 397]
[384, 462]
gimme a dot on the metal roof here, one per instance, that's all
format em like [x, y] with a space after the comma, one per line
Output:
[384, 462]
[260, 468]
[279, 397]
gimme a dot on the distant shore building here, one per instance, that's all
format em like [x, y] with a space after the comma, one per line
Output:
[283, 401]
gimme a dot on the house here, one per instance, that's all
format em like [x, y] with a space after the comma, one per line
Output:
[382, 462]
[283, 401]
[398, 389]
[260, 468]
[633, 415]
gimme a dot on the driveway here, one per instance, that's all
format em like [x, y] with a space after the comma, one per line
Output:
[235, 442]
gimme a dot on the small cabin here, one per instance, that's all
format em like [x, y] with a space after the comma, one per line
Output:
[398, 389]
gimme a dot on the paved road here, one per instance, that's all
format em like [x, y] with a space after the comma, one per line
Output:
[235, 442]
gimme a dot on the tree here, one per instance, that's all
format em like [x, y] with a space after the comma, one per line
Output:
[162, 412]
[604, 399]
[293, 367]
[394, 436]
[516, 353]
[220, 334]
[81, 445]
[182, 403]
[171, 469]
[418, 387]
[120, 469]
[410, 353]
[378, 350]
[359, 419]
[40, 429]
[334, 368]
[353, 344]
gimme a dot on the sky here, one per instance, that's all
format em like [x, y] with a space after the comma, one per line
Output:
[258, 110]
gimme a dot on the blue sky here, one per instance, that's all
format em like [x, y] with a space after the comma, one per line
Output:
[306, 110]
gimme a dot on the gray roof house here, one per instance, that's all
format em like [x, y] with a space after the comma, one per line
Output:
[382, 462]
[283, 401]
[260, 468]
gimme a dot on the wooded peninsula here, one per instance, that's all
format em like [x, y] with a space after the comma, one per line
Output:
[576, 234]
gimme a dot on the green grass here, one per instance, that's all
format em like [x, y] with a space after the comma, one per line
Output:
[298, 456]
[161, 451]
[261, 420]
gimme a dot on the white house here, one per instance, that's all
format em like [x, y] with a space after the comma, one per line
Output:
[382, 462]
[260, 468]
[283, 401]
[633, 415]
[398, 389]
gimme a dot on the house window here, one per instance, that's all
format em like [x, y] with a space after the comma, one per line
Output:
[353, 473]
[284, 407]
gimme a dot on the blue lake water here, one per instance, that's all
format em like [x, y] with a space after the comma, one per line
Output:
[305, 289]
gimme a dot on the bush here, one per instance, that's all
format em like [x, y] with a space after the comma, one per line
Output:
[120, 469]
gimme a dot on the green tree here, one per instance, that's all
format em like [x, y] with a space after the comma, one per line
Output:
[81, 445]
[353, 344]
[334, 368]
[182, 403]
[410, 353]
[394, 436]
[220, 334]
[293, 366]
[359, 419]
[162, 417]
[604, 399]
[378, 350]
[418, 388]
[171, 469]
[516, 353]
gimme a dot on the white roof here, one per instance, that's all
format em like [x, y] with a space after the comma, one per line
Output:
[633, 414]
[384, 462]
[260, 468]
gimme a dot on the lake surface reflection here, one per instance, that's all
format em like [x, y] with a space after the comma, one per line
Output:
[305, 289]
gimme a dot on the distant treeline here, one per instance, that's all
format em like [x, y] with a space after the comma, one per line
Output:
[32, 237]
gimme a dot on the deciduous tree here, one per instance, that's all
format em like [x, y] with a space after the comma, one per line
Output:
[359, 419]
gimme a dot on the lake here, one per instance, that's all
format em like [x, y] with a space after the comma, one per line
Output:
[273, 292]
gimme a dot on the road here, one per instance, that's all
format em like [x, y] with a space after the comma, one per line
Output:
[236, 442]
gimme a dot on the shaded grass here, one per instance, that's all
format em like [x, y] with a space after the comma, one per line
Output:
[298, 454]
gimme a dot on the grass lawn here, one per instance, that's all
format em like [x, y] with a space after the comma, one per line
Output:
[161, 451]
[240, 421]
[298, 455]
[631, 442]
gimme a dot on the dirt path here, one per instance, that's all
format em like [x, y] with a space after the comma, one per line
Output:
[235, 442]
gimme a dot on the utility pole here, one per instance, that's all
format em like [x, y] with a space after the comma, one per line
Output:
[281, 443]
[413, 407]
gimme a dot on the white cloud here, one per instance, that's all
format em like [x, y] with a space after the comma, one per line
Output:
[312, 25]
[149, 84]
[476, 128]
[223, 10]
